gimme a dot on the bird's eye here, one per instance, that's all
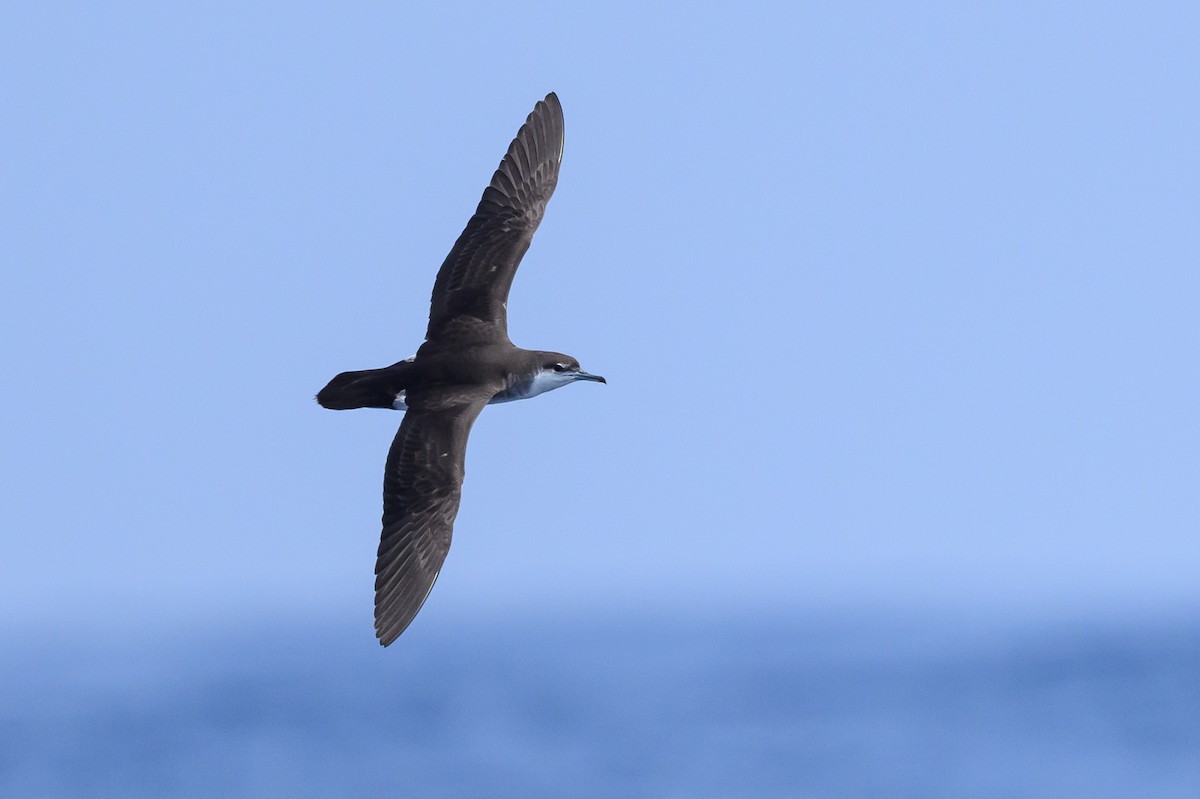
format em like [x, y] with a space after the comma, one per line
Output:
[560, 367]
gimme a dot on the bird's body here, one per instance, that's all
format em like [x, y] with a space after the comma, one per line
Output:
[466, 362]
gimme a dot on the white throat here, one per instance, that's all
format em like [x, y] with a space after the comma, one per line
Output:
[548, 380]
[543, 381]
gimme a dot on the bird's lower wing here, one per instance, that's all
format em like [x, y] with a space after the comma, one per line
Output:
[421, 491]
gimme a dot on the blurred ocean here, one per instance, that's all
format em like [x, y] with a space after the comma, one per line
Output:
[657, 708]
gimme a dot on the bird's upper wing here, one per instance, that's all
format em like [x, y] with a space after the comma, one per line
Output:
[421, 491]
[471, 290]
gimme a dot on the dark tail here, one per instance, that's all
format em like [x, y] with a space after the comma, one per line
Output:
[370, 388]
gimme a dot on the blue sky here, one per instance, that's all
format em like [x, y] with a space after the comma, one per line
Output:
[897, 304]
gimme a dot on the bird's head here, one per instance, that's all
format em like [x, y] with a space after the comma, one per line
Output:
[556, 370]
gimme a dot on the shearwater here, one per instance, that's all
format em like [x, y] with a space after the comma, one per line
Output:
[466, 362]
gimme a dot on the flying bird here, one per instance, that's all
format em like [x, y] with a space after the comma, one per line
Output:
[466, 362]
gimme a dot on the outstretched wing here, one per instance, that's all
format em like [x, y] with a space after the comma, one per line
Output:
[471, 291]
[421, 491]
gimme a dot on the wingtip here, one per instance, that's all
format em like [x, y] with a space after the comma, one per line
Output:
[550, 103]
[388, 632]
[555, 109]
